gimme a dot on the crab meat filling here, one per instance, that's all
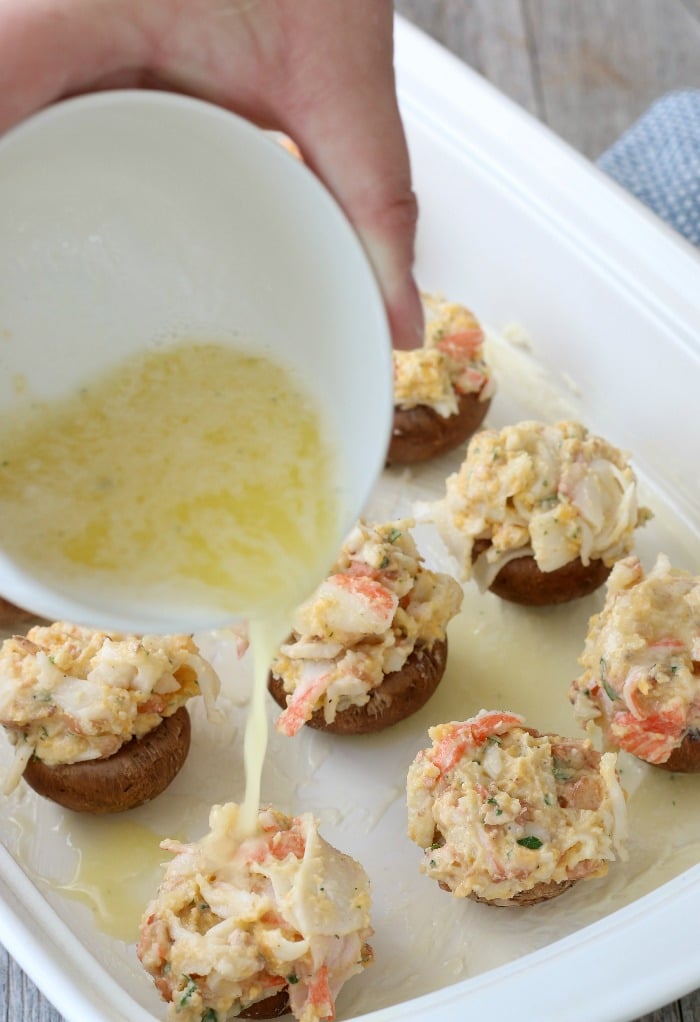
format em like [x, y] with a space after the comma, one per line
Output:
[69, 694]
[450, 363]
[641, 661]
[239, 917]
[553, 492]
[362, 623]
[499, 808]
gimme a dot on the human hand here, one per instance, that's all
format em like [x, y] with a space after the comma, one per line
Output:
[319, 70]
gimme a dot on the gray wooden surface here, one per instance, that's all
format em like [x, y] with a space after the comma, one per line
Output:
[588, 68]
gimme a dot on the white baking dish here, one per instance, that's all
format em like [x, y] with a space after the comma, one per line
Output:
[522, 229]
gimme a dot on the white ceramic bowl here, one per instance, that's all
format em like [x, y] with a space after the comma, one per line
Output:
[132, 216]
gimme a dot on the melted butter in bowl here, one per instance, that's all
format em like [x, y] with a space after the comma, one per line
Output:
[168, 495]
[194, 478]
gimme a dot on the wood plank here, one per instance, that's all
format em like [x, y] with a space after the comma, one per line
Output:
[587, 69]
[491, 37]
[21, 1000]
[671, 1013]
[601, 63]
[689, 1008]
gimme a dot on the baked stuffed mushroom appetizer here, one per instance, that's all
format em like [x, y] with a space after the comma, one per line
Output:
[442, 391]
[509, 816]
[641, 660]
[98, 719]
[539, 513]
[369, 647]
[255, 925]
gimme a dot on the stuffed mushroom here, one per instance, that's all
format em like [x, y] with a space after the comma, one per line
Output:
[641, 665]
[369, 647]
[509, 816]
[253, 925]
[442, 390]
[539, 513]
[98, 719]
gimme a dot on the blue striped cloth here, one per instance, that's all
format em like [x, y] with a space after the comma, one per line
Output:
[658, 160]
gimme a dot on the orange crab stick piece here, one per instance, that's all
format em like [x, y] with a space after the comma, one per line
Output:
[456, 738]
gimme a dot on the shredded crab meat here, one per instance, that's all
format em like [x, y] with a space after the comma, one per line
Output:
[209, 686]
[450, 363]
[363, 622]
[70, 694]
[553, 492]
[240, 916]
[641, 665]
[499, 809]
[23, 753]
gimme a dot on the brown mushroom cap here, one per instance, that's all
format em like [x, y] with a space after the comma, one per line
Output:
[544, 891]
[139, 771]
[686, 758]
[401, 694]
[421, 433]
[270, 1007]
[523, 581]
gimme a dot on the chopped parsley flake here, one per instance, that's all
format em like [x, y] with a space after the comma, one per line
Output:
[188, 991]
[561, 772]
[610, 691]
[394, 535]
[530, 842]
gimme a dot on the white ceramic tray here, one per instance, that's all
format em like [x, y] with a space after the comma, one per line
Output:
[525, 231]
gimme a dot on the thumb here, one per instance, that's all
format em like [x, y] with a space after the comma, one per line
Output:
[343, 113]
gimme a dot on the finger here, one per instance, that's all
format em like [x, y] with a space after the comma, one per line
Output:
[344, 115]
[51, 48]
